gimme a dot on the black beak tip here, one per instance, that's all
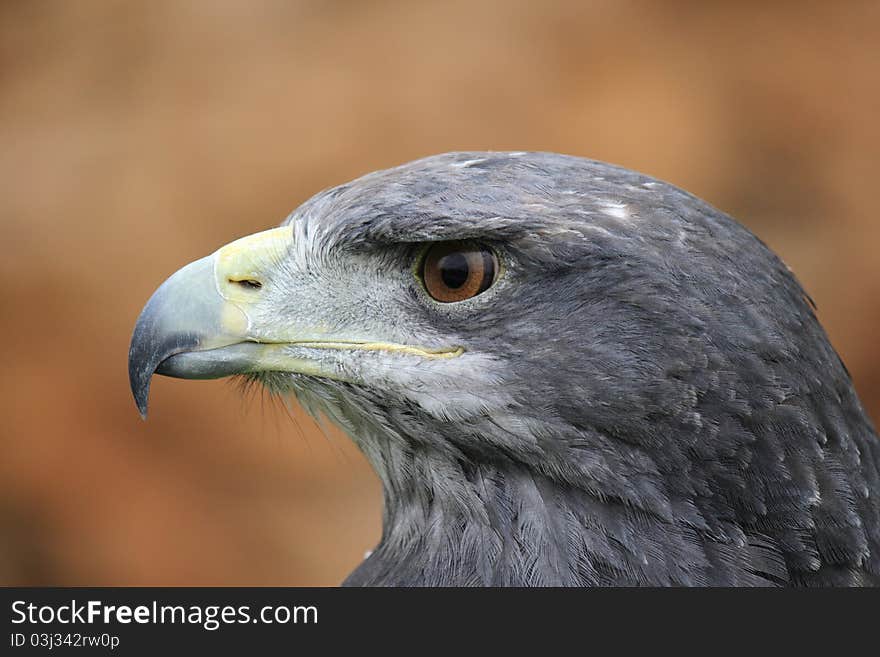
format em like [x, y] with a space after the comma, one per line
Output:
[139, 378]
[148, 349]
[142, 407]
[155, 336]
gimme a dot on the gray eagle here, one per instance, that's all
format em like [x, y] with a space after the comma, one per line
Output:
[564, 373]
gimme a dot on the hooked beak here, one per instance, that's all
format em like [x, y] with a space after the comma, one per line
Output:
[197, 325]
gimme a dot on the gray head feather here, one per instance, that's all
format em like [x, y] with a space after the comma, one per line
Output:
[645, 397]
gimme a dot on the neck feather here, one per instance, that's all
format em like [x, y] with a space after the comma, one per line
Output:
[454, 523]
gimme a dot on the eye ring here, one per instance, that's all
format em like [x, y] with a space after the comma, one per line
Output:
[457, 271]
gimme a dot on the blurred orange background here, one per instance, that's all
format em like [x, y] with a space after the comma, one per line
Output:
[139, 136]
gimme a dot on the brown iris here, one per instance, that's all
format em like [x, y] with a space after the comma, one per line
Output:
[455, 271]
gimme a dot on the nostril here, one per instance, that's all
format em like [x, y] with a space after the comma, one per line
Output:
[248, 283]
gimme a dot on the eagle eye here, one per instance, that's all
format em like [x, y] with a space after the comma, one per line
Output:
[455, 271]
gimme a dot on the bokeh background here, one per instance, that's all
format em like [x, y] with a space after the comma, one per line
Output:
[138, 136]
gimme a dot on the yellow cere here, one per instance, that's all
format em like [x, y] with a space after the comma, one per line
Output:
[249, 259]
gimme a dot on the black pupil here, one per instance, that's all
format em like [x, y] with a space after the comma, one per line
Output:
[454, 270]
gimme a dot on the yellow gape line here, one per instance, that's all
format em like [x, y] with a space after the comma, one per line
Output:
[387, 346]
